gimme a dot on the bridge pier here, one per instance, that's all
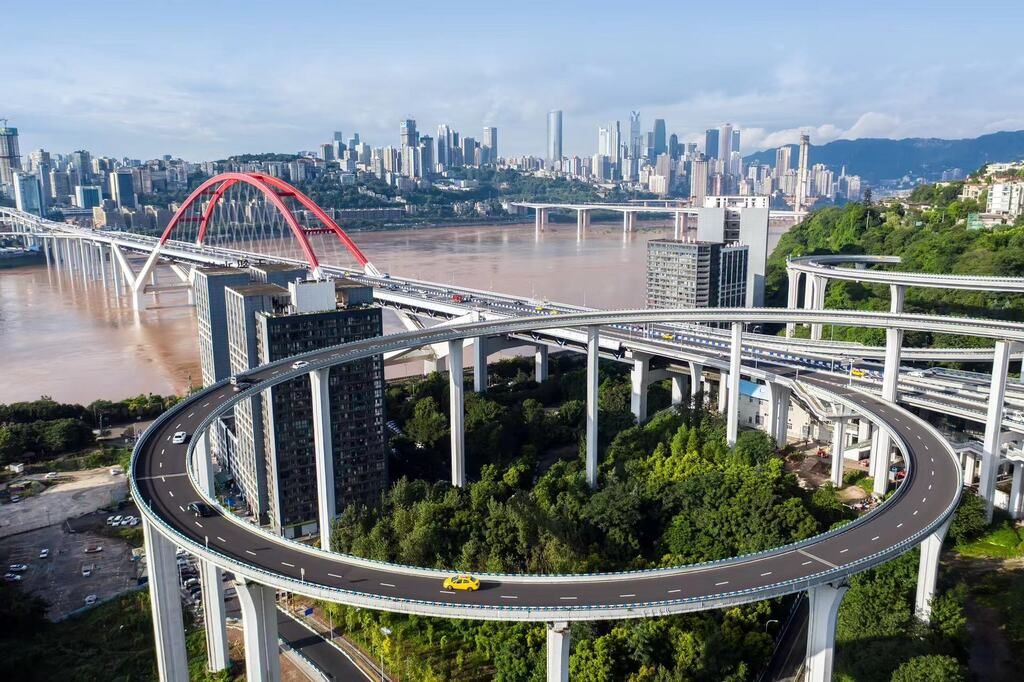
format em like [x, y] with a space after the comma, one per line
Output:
[897, 294]
[778, 412]
[211, 580]
[323, 449]
[165, 603]
[696, 382]
[593, 380]
[540, 364]
[456, 405]
[792, 298]
[817, 303]
[558, 643]
[677, 225]
[628, 221]
[882, 445]
[639, 378]
[823, 601]
[838, 447]
[540, 220]
[582, 222]
[679, 382]
[928, 571]
[1016, 491]
[723, 393]
[258, 604]
[732, 425]
[480, 364]
[992, 444]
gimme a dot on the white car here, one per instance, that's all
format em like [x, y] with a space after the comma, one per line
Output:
[90, 600]
[50, 476]
[299, 364]
[179, 437]
[43, 553]
[115, 520]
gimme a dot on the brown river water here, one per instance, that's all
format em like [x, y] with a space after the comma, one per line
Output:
[71, 339]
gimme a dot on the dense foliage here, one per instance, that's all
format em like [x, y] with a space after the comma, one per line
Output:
[932, 238]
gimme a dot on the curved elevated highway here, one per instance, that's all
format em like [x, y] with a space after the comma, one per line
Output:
[825, 266]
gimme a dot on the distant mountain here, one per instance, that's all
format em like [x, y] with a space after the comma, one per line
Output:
[877, 159]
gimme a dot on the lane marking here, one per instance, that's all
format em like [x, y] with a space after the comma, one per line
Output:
[929, 486]
[899, 525]
[335, 575]
[446, 592]
[161, 466]
[626, 595]
[924, 499]
[874, 538]
[199, 524]
[674, 591]
[178, 425]
[805, 563]
[509, 596]
[568, 598]
[163, 450]
[387, 584]
[285, 563]
[189, 416]
[222, 539]
[915, 513]
[844, 550]
[161, 477]
[724, 582]
[169, 492]
[764, 574]
[817, 558]
[249, 552]
[206, 403]
[181, 508]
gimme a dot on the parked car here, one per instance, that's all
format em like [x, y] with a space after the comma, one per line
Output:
[92, 549]
[12, 577]
[87, 570]
[43, 553]
[18, 568]
[90, 600]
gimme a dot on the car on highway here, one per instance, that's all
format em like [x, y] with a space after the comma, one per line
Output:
[462, 582]
[858, 372]
[179, 437]
[299, 364]
[90, 600]
[199, 508]
[17, 568]
[240, 382]
[43, 553]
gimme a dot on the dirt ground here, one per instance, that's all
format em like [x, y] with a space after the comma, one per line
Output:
[77, 493]
[290, 670]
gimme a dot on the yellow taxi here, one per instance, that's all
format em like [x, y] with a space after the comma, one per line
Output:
[462, 582]
[858, 372]
[668, 337]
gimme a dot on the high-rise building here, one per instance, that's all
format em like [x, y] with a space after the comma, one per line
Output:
[408, 134]
[711, 143]
[322, 314]
[783, 161]
[636, 136]
[28, 193]
[698, 181]
[603, 141]
[211, 319]
[695, 274]
[88, 196]
[802, 181]
[338, 137]
[444, 146]
[10, 156]
[660, 138]
[469, 149]
[736, 140]
[122, 188]
[491, 142]
[725, 146]
[81, 161]
[554, 148]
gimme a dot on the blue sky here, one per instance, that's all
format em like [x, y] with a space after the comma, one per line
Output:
[206, 79]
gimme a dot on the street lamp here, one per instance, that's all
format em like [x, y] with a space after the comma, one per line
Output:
[769, 622]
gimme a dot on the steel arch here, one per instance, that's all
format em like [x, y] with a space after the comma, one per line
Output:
[274, 189]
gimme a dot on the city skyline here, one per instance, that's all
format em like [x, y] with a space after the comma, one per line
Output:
[208, 102]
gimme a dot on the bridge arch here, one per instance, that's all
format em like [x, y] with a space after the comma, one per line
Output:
[275, 190]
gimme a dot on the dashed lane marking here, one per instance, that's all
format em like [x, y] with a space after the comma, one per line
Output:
[622, 596]
[199, 524]
[724, 582]
[915, 513]
[181, 508]
[178, 425]
[874, 538]
[206, 403]
[766, 573]
[161, 477]
[250, 552]
[387, 585]
[568, 598]
[674, 591]
[163, 450]
[335, 575]
[189, 416]
[805, 563]
[169, 492]
[844, 550]
[222, 539]
[899, 525]
[161, 465]
[509, 596]
[285, 563]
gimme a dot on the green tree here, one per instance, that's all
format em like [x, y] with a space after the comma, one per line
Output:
[930, 669]
[428, 425]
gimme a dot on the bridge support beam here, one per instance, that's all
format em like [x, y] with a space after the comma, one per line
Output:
[723, 393]
[211, 582]
[792, 298]
[455, 404]
[823, 603]
[259, 621]
[540, 219]
[838, 447]
[679, 393]
[993, 425]
[639, 378]
[882, 444]
[732, 426]
[817, 303]
[677, 225]
[1016, 491]
[323, 452]
[480, 364]
[165, 602]
[593, 380]
[540, 364]
[897, 294]
[558, 642]
[778, 412]
[582, 221]
[696, 381]
[928, 571]
[628, 221]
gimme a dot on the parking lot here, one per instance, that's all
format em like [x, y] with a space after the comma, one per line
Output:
[58, 579]
[75, 493]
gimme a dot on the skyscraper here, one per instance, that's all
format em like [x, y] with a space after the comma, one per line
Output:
[407, 131]
[636, 136]
[698, 181]
[10, 156]
[603, 144]
[554, 149]
[660, 139]
[338, 137]
[725, 145]
[28, 194]
[491, 142]
[801, 172]
[783, 161]
[122, 188]
[444, 146]
[700, 274]
[711, 143]
[736, 140]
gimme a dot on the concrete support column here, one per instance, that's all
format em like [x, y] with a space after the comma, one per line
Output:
[863, 430]
[677, 225]
[817, 303]
[793, 298]
[540, 364]
[994, 425]
[558, 641]
[541, 219]
[897, 293]
[165, 602]
[628, 221]
[679, 393]
[823, 603]
[881, 445]
[46, 251]
[480, 364]
[101, 253]
[457, 424]
[928, 571]
[696, 378]
[1016, 491]
[723, 393]
[639, 380]
[323, 452]
[732, 425]
[838, 446]
[593, 357]
[259, 621]
[214, 616]
[582, 221]
[778, 412]
[970, 468]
